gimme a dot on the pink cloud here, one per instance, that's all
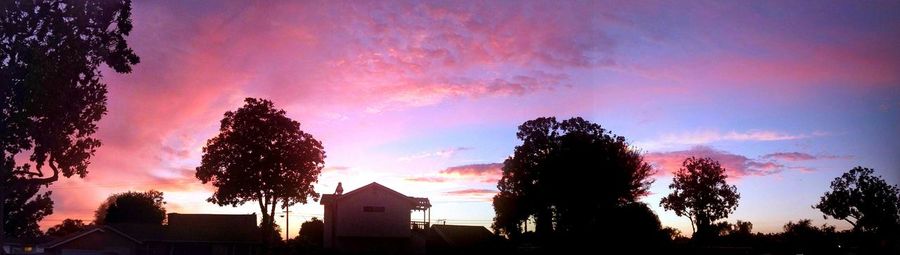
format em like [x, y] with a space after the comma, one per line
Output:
[783, 46]
[712, 136]
[489, 173]
[736, 166]
[472, 192]
[482, 173]
[427, 179]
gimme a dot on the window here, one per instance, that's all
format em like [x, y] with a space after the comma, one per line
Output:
[373, 208]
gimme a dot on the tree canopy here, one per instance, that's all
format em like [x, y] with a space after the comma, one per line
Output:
[701, 193]
[312, 232]
[567, 175]
[52, 95]
[66, 227]
[865, 201]
[261, 155]
[132, 207]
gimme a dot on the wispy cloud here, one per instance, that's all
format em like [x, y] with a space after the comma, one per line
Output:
[712, 136]
[789, 156]
[481, 173]
[800, 156]
[427, 179]
[443, 153]
[472, 192]
[335, 168]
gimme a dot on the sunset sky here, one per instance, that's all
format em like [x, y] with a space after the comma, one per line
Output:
[425, 97]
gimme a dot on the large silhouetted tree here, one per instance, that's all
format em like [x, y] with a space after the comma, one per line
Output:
[865, 201]
[261, 155]
[132, 207]
[52, 95]
[66, 227]
[700, 192]
[569, 176]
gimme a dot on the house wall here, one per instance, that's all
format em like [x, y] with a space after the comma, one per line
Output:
[98, 241]
[353, 221]
[329, 219]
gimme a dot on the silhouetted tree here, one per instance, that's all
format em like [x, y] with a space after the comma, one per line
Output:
[633, 226]
[261, 155]
[312, 232]
[865, 201]
[803, 237]
[510, 212]
[132, 207]
[569, 176]
[51, 95]
[672, 233]
[66, 227]
[700, 192]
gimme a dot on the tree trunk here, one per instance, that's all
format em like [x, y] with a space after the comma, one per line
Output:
[544, 222]
[263, 229]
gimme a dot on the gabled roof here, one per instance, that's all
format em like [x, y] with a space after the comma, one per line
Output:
[418, 202]
[182, 228]
[74, 236]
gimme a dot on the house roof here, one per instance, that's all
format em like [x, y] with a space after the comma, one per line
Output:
[463, 236]
[94, 229]
[182, 228]
[419, 203]
[221, 228]
[203, 228]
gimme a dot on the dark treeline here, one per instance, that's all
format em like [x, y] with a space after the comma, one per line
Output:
[580, 185]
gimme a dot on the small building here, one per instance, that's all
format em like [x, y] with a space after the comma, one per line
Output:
[375, 218]
[211, 234]
[455, 239]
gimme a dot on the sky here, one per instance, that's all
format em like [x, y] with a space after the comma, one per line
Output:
[426, 97]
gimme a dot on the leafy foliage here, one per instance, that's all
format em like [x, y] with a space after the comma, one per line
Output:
[52, 96]
[24, 207]
[567, 175]
[865, 201]
[700, 192]
[132, 207]
[66, 227]
[261, 155]
[52, 93]
[312, 232]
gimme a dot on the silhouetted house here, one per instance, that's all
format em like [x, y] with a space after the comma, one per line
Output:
[375, 218]
[211, 234]
[13, 245]
[453, 239]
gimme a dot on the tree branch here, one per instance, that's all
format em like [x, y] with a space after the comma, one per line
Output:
[851, 222]
[42, 181]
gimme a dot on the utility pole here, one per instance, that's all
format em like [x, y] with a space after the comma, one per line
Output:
[287, 221]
